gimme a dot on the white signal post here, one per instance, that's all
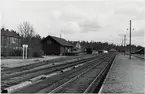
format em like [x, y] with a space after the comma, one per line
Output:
[26, 51]
[25, 46]
[23, 51]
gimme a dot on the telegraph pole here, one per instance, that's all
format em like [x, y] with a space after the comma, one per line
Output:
[130, 42]
[124, 43]
[60, 35]
[121, 46]
[121, 42]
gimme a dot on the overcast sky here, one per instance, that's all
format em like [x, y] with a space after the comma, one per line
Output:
[100, 20]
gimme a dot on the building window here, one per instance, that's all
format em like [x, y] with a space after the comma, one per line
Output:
[48, 41]
[19, 42]
[13, 42]
[8, 41]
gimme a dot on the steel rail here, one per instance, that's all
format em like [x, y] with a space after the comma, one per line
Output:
[79, 62]
[92, 83]
[100, 89]
[141, 57]
[74, 78]
[84, 66]
[39, 69]
[44, 62]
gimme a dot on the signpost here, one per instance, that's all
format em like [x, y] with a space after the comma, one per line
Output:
[25, 46]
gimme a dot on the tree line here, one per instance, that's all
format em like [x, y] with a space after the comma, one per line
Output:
[106, 46]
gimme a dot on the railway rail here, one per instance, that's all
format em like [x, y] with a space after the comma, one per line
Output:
[81, 83]
[19, 73]
[141, 57]
[48, 70]
[31, 66]
[68, 78]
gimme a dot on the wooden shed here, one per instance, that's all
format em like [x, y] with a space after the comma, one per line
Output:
[52, 45]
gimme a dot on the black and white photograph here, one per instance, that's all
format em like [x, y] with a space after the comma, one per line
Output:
[72, 46]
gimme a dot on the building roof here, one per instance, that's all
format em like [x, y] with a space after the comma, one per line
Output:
[9, 33]
[78, 45]
[61, 41]
[112, 50]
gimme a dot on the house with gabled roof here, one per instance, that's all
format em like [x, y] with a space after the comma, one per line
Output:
[10, 40]
[52, 45]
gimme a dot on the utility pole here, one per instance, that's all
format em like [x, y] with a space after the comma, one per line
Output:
[60, 35]
[121, 46]
[130, 42]
[124, 44]
[121, 42]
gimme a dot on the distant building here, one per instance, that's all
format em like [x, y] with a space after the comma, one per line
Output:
[55, 46]
[112, 50]
[102, 51]
[78, 46]
[10, 40]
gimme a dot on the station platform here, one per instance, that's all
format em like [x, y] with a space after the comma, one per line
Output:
[125, 76]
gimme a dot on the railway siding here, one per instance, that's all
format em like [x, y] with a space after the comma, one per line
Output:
[6, 75]
[51, 87]
[17, 79]
[45, 62]
[82, 82]
[53, 81]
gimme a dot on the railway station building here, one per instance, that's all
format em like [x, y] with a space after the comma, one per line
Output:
[52, 45]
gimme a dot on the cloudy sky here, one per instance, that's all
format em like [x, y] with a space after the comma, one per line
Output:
[99, 20]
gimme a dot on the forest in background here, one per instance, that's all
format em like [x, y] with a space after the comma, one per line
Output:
[106, 46]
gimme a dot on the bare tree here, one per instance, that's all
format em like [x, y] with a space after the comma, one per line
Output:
[26, 31]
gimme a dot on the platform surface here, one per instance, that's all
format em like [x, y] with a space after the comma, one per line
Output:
[125, 76]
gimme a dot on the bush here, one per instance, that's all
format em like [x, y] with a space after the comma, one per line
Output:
[11, 52]
[18, 52]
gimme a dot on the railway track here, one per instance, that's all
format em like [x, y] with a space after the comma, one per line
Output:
[31, 66]
[36, 69]
[141, 57]
[83, 83]
[28, 75]
[65, 79]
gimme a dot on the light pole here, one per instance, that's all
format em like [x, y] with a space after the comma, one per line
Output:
[130, 42]
[124, 44]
